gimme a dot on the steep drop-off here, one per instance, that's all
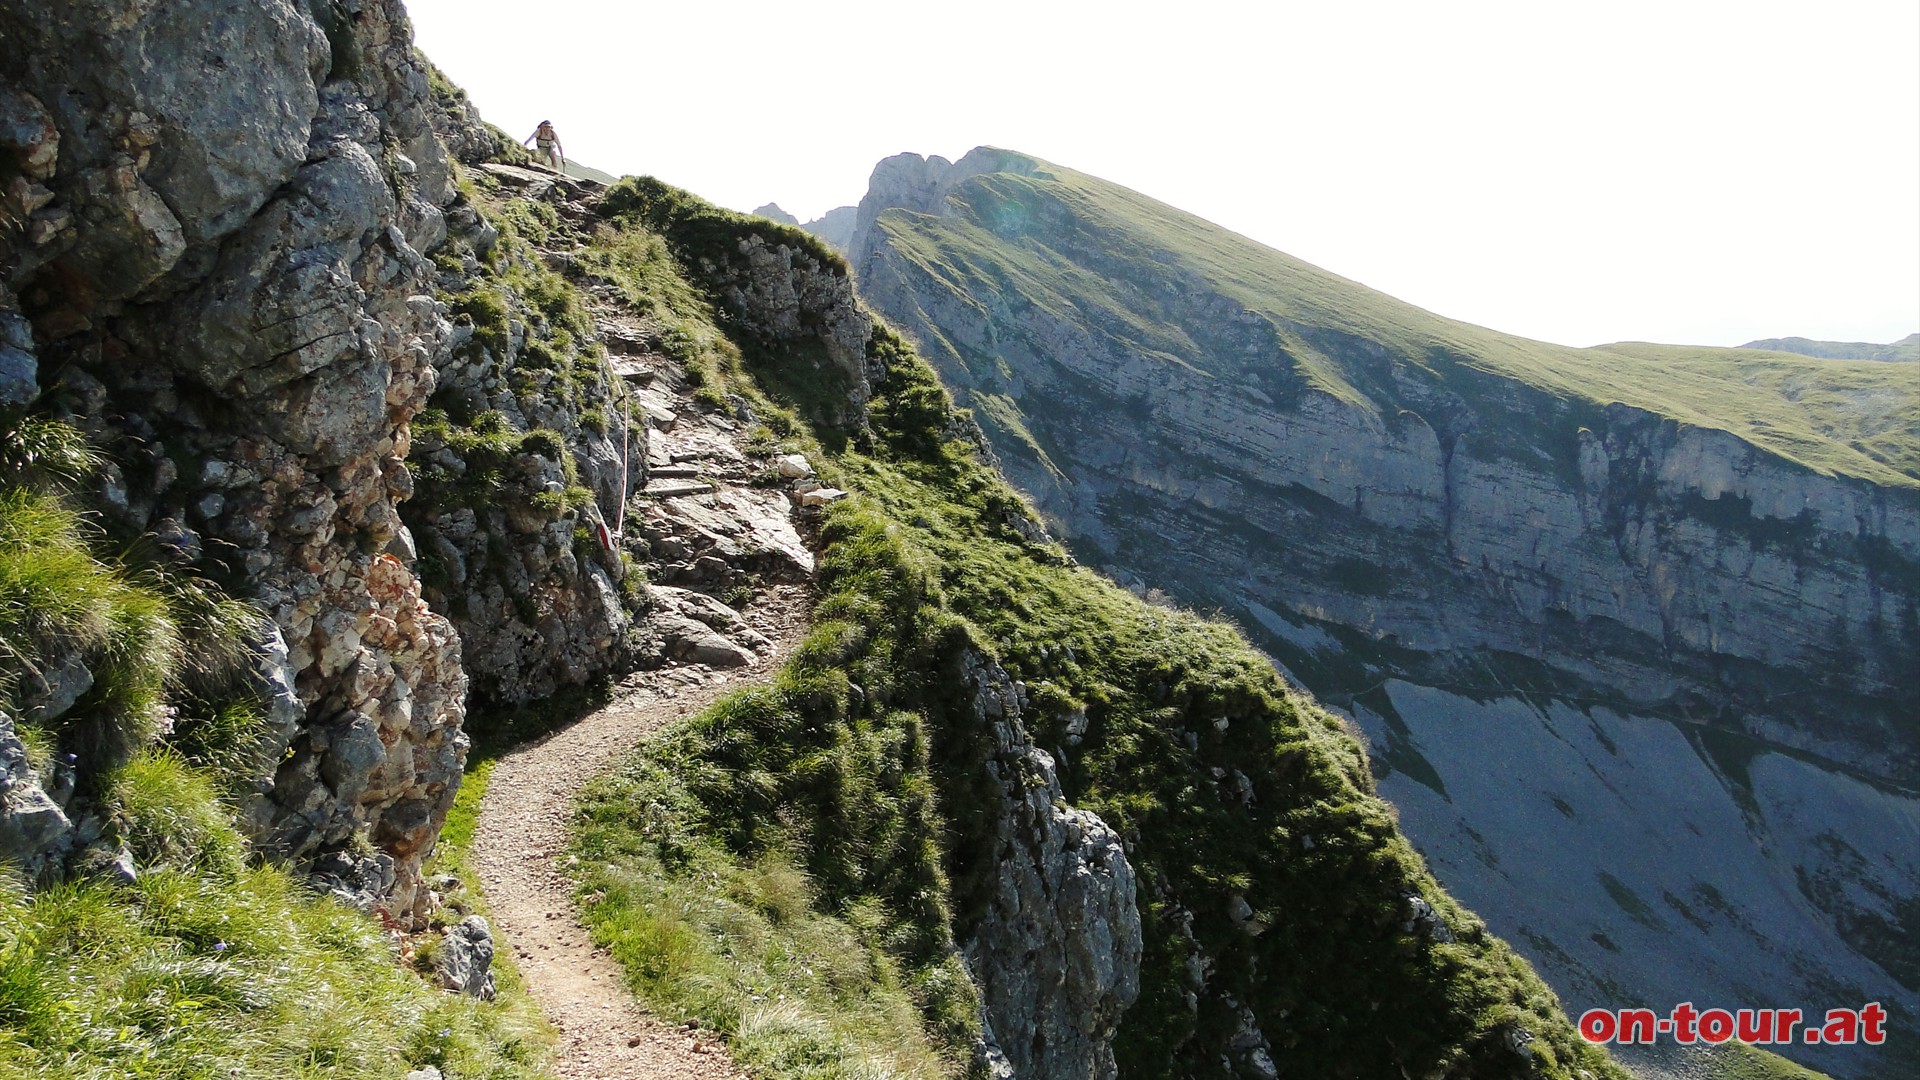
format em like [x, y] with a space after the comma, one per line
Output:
[1147, 856]
[370, 394]
[1633, 630]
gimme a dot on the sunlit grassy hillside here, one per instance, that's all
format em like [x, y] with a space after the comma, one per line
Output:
[1099, 254]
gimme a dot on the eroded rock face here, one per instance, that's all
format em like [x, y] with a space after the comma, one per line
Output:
[791, 296]
[227, 267]
[36, 835]
[1057, 953]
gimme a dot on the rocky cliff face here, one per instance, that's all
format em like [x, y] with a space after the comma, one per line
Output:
[379, 404]
[1057, 954]
[1427, 520]
[528, 453]
[231, 289]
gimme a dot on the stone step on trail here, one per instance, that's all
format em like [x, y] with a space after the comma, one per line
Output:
[633, 369]
[672, 489]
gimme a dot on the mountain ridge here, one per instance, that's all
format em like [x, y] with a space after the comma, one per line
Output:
[464, 441]
[1330, 303]
[1466, 539]
[1907, 349]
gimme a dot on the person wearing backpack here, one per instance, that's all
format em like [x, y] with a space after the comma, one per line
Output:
[547, 151]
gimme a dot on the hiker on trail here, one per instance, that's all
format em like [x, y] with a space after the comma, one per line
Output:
[548, 152]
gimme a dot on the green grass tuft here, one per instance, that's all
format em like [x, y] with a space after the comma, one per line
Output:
[58, 602]
[37, 453]
[190, 974]
[171, 815]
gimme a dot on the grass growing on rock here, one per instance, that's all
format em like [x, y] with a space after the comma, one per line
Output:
[845, 801]
[59, 605]
[208, 964]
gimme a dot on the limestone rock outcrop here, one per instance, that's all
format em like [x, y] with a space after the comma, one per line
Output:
[36, 836]
[231, 291]
[793, 297]
[1057, 953]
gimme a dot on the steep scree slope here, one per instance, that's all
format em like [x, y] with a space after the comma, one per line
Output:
[1634, 630]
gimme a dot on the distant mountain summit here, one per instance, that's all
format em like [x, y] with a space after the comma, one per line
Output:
[835, 226]
[773, 212]
[1907, 349]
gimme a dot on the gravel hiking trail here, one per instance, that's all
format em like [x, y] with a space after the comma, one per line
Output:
[520, 844]
[718, 527]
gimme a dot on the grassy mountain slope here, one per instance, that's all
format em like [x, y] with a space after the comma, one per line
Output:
[1163, 386]
[847, 801]
[1144, 254]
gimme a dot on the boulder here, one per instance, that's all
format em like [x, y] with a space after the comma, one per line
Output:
[821, 496]
[690, 639]
[464, 963]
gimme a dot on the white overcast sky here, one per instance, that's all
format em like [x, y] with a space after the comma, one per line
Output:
[1682, 171]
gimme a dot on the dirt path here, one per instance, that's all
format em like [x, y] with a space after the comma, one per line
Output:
[715, 529]
[605, 1034]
